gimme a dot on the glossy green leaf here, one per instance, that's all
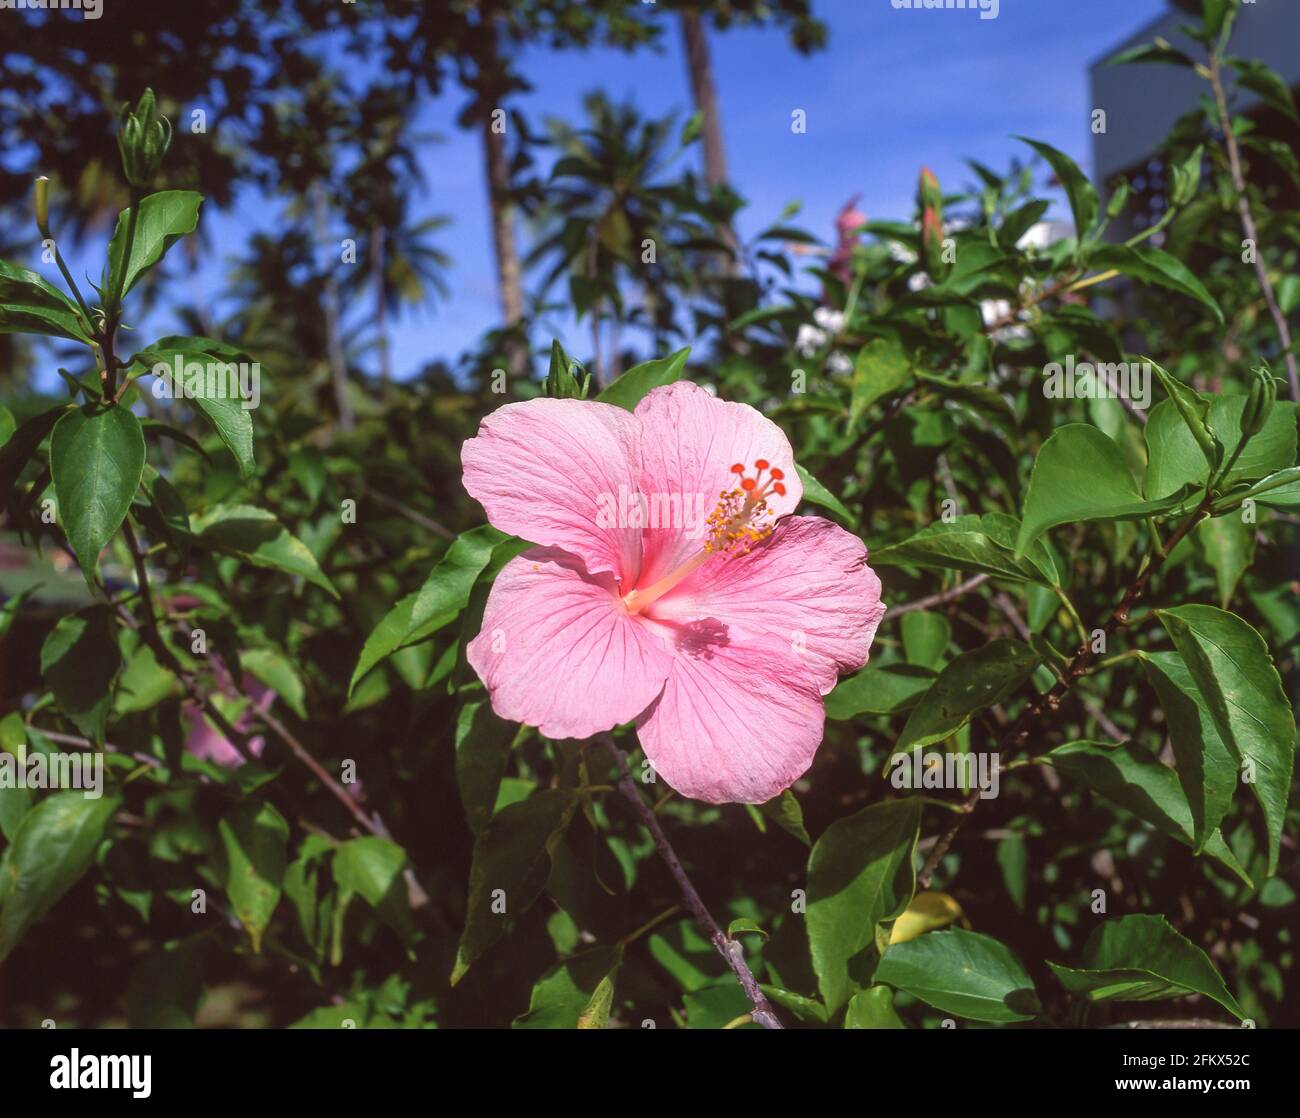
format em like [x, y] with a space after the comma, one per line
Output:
[1084, 202]
[925, 638]
[372, 868]
[1234, 671]
[54, 846]
[872, 1009]
[482, 747]
[974, 545]
[165, 217]
[815, 493]
[880, 370]
[97, 461]
[963, 973]
[80, 661]
[970, 683]
[509, 870]
[629, 389]
[1207, 770]
[1141, 959]
[1155, 267]
[30, 304]
[444, 594]
[255, 838]
[887, 689]
[1176, 461]
[860, 876]
[257, 537]
[1080, 475]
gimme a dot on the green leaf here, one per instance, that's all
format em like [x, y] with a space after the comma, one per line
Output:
[785, 812]
[257, 537]
[255, 837]
[54, 846]
[1228, 546]
[8, 425]
[1154, 266]
[509, 869]
[1142, 959]
[1234, 672]
[97, 461]
[1079, 475]
[631, 387]
[15, 802]
[1175, 461]
[860, 876]
[482, 747]
[972, 681]
[888, 689]
[1130, 776]
[80, 661]
[165, 217]
[232, 421]
[444, 594]
[815, 493]
[273, 668]
[1267, 83]
[880, 370]
[925, 638]
[372, 868]
[745, 925]
[1084, 202]
[963, 973]
[1206, 768]
[29, 304]
[22, 444]
[975, 545]
[872, 1009]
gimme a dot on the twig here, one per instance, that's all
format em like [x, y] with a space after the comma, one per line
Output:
[729, 949]
[411, 514]
[941, 598]
[1248, 223]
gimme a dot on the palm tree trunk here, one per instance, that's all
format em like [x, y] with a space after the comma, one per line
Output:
[699, 66]
[510, 285]
[377, 243]
[333, 337]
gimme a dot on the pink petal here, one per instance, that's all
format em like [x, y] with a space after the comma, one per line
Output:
[806, 590]
[736, 723]
[689, 442]
[559, 651]
[545, 469]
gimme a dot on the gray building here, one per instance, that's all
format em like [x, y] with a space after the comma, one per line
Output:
[1142, 102]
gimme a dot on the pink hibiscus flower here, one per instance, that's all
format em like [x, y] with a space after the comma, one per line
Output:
[671, 586]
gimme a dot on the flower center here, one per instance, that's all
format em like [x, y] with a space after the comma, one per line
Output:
[739, 521]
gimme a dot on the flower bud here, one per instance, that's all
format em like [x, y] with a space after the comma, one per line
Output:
[43, 205]
[1259, 403]
[143, 138]
[930, 200]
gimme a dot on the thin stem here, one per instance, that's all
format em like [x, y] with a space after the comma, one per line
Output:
[941, 598]
[729, 949]
[1215, 74]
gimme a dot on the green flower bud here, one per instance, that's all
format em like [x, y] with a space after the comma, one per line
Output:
[929, 199]
[143, 138]
[1118, 200]
[1259, 403]
[43, 205]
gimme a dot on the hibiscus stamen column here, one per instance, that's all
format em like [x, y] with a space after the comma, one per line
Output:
[763, 1013]
[740, 520]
